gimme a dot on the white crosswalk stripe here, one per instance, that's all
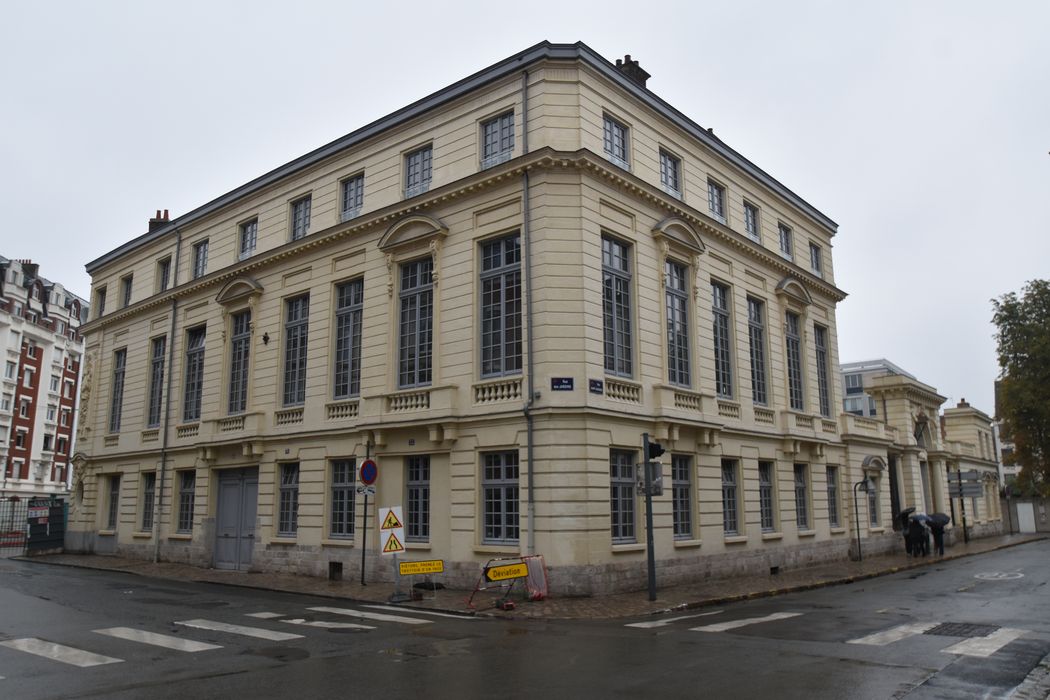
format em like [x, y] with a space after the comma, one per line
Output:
[264, 615]
[160, 640]
[418, 611]
[59, 652]
[986, 646]
[735, 624]
[663, 623]
[372, 616]
[324, 624]
[257, 632]
[894, 634]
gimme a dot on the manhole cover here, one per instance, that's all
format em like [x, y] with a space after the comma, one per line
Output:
[962, 629]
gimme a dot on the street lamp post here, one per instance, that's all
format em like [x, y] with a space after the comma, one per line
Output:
[864, 484]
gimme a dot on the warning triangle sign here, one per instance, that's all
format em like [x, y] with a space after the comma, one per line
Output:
[391, 522]
[393, 545]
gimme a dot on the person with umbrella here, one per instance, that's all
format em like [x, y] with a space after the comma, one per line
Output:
[902, 517]
[920, 543]
[937, 523]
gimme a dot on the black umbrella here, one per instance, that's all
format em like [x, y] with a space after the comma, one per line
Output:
[906, 512]
[940, 519]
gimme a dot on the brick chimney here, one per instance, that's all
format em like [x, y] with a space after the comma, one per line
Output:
[159, 220]
[632, 70]
[963, 404]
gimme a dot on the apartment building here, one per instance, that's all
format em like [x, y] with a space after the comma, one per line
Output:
[42, 349]
[493, 292]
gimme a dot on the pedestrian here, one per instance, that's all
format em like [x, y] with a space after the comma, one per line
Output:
[918, 537]
[937, 528]
[903, 519]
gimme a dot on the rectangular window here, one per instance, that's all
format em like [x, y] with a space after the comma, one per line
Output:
[344, 473]
[9, 370]
[52, 411]
[501, 307]
[61, 446]
[353, 196]
[765, 497]
[801, 497]
[300, 217]
[288, 501]
[716, 200]
[871, 407]
[873, 503]
[417, 496]
[676, 298]
[615, 140]
[48, 439]
[751, 222]
[793, 344]
[240, 355]
[23, 408]
[200, 258]
[671, 173]
[193, 389]
[616, 306]
[163, 274]
[730, 517]
[416, 329]
[500, 487]
[116, 404]
[815, 259]
[100, 301]
[64, 418]
[27, 377]
[833, 497]
[756, 326]
[296, 328]
[158, 348]
[113, 502]
[187, 493]
[723, 357]
[350, 304]
[785, 241]
[125, 291]
[820, 342]
[621, 495]
[5, 403]
[682, 496]
[149, 490]
[248, 238]
[418, 171]
[497, 140]
[20, 438]
[854, 383]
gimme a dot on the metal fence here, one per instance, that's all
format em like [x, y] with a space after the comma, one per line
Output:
[14, 526]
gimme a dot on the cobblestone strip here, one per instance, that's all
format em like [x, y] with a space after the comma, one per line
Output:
[1036, 686]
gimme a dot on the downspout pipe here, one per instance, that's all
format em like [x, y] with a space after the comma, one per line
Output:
[530, 512]
[159, 493]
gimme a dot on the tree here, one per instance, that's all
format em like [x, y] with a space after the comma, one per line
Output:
[1023, 338]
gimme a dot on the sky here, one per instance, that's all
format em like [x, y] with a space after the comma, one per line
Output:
[921, 128]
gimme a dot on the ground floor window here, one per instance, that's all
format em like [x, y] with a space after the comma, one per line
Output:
[621, 495]
[730, 498]
[873, 502]
[499, 483]
[343, 490]
[682, 496]
[801, 497]
[833, 497]
[113, 502]
[149, 490]
[417, 498]
[766, 506]
[288, 505]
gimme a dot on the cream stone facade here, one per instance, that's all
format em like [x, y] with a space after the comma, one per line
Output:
[537, 265]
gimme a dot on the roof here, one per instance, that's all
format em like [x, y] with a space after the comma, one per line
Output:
[881, 364]
[498, 71]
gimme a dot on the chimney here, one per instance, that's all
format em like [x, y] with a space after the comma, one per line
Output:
[158, 221]
[632, 70]
[963, 404]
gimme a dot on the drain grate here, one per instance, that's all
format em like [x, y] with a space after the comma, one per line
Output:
[962, 629]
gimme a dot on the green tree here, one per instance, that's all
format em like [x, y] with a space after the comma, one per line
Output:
[1023, 338]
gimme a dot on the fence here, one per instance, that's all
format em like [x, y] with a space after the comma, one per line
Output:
[14, 531]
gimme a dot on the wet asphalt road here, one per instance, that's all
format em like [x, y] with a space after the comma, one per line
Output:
[794, 646]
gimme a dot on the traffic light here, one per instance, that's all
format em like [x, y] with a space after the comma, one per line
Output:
[655, 450]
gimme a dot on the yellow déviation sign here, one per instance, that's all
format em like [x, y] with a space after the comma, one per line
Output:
[391, 522]
[417, 568]
[393, 545]
[507, 571]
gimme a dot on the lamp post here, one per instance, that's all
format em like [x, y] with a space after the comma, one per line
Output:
[864, 484]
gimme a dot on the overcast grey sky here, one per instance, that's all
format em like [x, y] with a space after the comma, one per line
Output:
[920, 127]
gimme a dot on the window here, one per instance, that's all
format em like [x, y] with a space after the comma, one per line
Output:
[616, 306]
[815, 260]
[20, 439]
[785, 241]
[801, 497]
[353, 196]
[342, 516]
[417, 171]
[682, 496]
[417, 495]
[117, 398]
[300, 217]
[349, 308]
[854, 383]
[61, 445]
[125, 291]
[200, 258]
[296, 327]
[156, 380]
[163, 274]
[31, 349]
[27, 377]
[23, 408]
[676, 298]
[497, 140]
[793, 344]
[757, 340]
[723, 359]
[854, 405]
[833, 497]
[64, 418]
[5, 403]
[149, 490]
[10, 369]
[671, 173]
[249, 236]
[615, 140]
[51, 413]
[751, 222]
[501, 307]
[187, 492]
[100, 301]
[416, 330]
[716, 200]
[288, 501]
[730, 518]
[765, 497]
[240, 355]
[54, 382]
[113, 502]
[873, 502]
[621, 495]
[194, 385]
[820, 343]
[500, 486]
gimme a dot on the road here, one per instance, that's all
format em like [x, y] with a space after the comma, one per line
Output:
[967, 628]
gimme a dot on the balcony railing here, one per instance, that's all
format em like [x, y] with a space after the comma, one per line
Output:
[498, 391]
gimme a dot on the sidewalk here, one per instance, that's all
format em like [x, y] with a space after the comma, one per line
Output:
[683, 597]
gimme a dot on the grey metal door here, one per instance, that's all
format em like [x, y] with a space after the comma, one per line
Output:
[235, 519]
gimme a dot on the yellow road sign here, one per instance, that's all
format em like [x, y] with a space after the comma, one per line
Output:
[391, 521]
[417, 568]
[506, 572]
[393, 545]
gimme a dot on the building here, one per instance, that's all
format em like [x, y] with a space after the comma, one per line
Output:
[494, 292]
[857, 375]
[40, 325]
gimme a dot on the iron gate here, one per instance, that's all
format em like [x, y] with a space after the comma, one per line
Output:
[14, 526]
